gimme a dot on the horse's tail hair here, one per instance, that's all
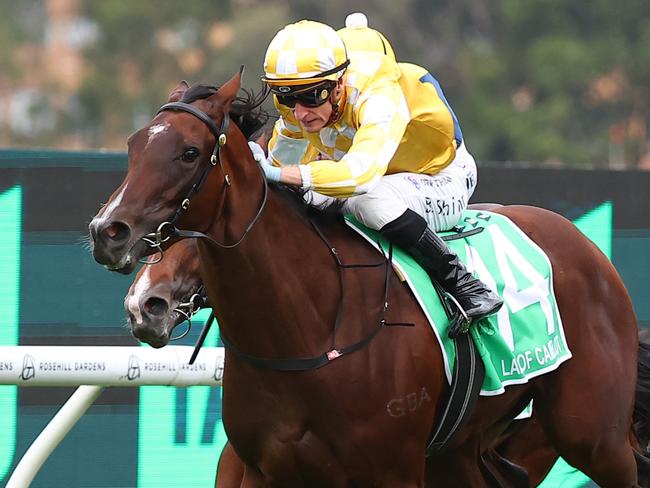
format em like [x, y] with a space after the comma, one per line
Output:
[642, 403]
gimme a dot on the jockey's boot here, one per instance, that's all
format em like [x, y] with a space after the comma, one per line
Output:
[411, 233]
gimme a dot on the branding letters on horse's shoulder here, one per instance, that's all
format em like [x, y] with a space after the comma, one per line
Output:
[400, 406]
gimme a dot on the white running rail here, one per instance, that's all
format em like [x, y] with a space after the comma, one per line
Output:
[95, 367]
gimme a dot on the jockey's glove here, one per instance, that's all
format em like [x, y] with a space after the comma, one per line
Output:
[271, 172]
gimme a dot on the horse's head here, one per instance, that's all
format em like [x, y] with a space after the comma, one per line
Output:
[169, 165]
[165, 294]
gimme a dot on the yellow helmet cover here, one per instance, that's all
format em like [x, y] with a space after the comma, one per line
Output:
[304, 53]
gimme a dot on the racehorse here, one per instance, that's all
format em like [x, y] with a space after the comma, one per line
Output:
[165, 294]
[278, 291]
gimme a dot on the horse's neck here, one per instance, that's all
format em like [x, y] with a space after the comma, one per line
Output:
[276, 293]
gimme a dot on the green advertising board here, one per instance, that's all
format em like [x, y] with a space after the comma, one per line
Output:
[10, 221]
[182, 425]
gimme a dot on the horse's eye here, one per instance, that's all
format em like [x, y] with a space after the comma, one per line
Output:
[190, 154]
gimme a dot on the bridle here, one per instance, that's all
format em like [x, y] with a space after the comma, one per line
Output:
[166, 230]
[447, 426]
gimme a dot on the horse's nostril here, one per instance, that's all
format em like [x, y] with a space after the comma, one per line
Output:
[117, 231]
[155, 306]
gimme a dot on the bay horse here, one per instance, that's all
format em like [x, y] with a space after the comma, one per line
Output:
[160, 290]
[278, 291]
[154, 307]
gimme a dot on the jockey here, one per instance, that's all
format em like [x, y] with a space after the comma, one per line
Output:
[390, 145]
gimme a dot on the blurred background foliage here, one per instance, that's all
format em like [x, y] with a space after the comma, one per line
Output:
[535, 81]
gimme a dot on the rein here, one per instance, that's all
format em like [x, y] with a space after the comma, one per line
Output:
[468, 373]
[168, 229]
[315, 362]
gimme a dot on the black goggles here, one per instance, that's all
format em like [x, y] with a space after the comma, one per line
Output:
[311, 97]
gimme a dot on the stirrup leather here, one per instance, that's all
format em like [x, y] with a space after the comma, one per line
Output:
[460, 322]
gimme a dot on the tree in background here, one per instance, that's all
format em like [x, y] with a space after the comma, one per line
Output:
[541, 81]
[561, 81]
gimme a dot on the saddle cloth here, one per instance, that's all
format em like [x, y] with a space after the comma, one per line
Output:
[525, 338]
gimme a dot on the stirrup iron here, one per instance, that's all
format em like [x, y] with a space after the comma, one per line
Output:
[460, 322]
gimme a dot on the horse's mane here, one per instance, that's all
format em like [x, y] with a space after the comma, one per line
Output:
[250, 117]
[245, 111]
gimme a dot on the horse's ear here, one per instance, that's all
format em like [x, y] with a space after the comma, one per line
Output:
[228, 91]
[177, 93]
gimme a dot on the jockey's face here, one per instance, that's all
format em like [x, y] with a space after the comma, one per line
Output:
[313, 119]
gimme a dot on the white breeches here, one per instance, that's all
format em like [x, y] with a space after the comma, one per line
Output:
[440, 198]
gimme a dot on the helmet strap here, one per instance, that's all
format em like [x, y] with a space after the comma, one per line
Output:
[335, 115]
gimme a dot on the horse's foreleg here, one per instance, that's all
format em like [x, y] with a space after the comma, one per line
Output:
[230, 470]
[457, 469]
[252, 479]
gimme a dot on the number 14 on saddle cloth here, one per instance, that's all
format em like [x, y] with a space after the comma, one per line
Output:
[525, 338]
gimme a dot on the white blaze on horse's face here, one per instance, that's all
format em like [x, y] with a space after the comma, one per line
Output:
[155, 131]
[137, 290]
[105, 213]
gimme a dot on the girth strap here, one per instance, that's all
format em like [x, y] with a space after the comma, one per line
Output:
[467, 380]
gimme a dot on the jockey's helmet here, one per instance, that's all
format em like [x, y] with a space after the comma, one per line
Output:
[305, 60]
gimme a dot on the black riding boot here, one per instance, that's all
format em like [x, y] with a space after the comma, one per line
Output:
[410, 232]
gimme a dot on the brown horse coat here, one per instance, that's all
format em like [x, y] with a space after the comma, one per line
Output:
[276, 295]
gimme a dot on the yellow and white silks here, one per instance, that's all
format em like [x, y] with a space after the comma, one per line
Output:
[396, 139]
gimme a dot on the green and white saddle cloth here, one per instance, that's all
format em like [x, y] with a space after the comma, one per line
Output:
[525, 338]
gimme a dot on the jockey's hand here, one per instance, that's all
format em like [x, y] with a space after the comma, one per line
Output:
[271, 172]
